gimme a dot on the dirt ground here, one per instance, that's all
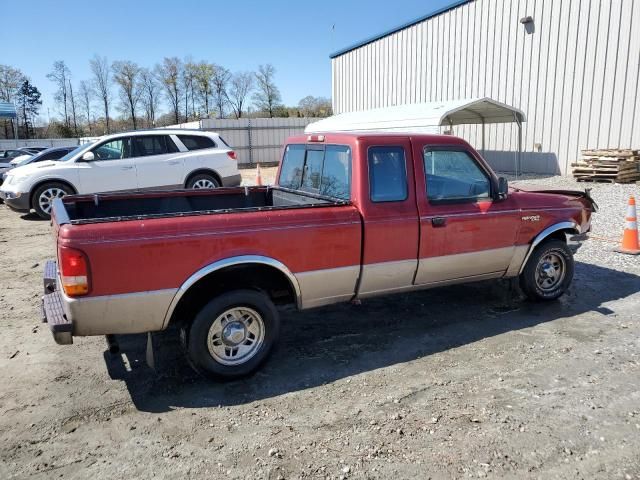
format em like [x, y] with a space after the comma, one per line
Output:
[456, 382]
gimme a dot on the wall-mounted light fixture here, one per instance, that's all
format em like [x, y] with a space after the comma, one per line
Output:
[529, 26]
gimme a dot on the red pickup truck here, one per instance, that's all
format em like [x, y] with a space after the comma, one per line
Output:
[351, 216]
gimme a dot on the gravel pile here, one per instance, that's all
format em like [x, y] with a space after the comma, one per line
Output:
[607, 224]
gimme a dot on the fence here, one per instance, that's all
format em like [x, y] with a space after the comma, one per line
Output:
[255, 140]
[38, 142]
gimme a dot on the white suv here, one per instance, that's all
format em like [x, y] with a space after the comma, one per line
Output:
[140, 160]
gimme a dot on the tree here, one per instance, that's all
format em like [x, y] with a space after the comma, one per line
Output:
[60, 76]
[85, 101]
[72, 99]
[241, 86]
[311, 106]
[149, 95]
[188, 76]
[29, 103]
[221, 77]
[267, 97]
[169, 73]
[203, 81]
[10, 81]
[126, 75]
[101, 83]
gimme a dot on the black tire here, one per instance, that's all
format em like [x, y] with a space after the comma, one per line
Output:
[203, 178]
[198, 335]
[37, 205]
[537, 284]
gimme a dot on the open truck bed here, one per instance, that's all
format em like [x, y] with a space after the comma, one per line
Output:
[114, 207]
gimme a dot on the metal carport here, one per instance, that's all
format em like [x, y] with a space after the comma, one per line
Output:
[8, 110]
[428, 117]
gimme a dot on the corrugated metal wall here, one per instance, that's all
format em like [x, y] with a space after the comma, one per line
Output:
[574, 72]
[257, 140]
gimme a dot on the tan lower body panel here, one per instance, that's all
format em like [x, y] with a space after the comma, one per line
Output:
[324, 287]
[118, 314]
[451, 267]
[519, 254]
[387, 276]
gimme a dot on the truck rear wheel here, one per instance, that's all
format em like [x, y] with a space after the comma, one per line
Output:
[233, 334]
[548, 272]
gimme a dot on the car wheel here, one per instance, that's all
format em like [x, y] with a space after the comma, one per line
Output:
[233, 334]
[548, 272]
[203, 180]
[43, 197]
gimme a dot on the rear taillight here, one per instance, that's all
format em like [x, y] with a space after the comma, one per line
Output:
[74, 272]
[232, 155]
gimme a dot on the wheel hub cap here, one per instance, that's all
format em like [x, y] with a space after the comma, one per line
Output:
[550, 272]
[236, 336]
[234, 333]
[547, 270]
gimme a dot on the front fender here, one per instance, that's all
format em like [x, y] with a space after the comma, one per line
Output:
[568, 226]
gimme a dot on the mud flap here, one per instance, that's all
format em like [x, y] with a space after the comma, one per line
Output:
[150, 354]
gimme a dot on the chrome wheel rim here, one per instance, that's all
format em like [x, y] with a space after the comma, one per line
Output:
[236, 336]
[48, 196]
[550, 271]
[204, 183]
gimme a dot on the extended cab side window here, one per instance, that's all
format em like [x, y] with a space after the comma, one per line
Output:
[196, 142]
[454, 176]
[387, 174]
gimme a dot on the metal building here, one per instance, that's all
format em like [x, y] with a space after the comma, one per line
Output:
[572, 66]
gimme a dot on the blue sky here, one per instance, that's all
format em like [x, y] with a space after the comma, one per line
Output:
[296, 37]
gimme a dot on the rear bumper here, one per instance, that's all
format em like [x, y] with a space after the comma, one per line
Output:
[15, 200]
[102, 315]
[52, 308]
[232, 181]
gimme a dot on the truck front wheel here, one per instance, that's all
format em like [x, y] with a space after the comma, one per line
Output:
[548, 272]
[233, 334]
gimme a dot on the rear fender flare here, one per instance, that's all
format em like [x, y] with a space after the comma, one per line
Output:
[571, 227]
[228, 262]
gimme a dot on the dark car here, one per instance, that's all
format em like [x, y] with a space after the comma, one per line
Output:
[33, 150]
[10, 154]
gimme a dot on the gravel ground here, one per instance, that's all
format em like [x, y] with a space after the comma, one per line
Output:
[458, 382]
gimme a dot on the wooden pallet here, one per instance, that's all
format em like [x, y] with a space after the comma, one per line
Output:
[611, 152]
[608, 165]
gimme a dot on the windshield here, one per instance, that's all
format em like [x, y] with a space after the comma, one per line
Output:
[75, 151]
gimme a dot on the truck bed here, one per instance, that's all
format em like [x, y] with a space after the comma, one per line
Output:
[114, 207]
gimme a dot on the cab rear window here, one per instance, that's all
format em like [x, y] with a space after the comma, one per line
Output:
[325, 170]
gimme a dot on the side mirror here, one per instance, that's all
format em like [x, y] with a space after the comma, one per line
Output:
[88, 157]
[503, 188]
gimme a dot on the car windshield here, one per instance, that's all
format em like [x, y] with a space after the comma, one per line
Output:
[75, 151]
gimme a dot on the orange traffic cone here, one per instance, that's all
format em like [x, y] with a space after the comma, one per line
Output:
[630, 243]
[258, 176]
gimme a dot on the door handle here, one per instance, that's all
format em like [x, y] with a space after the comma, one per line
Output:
[130, 167]
[438, 221]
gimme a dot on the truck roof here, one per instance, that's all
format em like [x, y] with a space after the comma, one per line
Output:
[333, 137]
